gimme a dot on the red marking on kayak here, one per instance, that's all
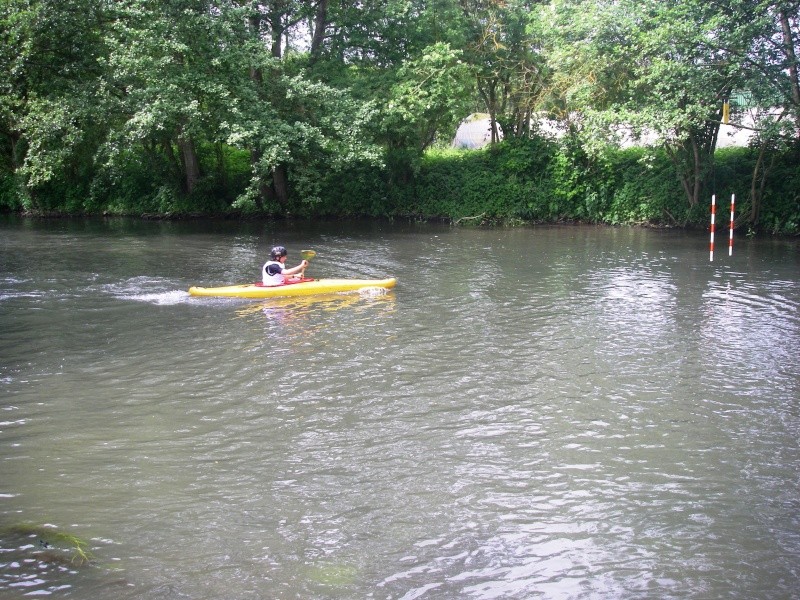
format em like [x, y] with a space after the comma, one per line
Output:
[285, 283]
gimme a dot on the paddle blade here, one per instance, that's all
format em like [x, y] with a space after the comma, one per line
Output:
[307, 254]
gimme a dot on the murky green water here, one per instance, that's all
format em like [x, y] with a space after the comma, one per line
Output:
[548, 412]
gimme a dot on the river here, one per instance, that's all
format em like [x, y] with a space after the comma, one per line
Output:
[545, 412]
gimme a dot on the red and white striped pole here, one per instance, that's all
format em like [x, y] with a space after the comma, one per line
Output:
[730, 239]
[713, 216]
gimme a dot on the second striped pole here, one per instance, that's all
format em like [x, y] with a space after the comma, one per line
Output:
[730, 239]
[713, 216]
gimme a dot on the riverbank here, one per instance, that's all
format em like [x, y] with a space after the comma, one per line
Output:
[516, 183]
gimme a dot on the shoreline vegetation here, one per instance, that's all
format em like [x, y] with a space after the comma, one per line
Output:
[618, 112]
[513, 183]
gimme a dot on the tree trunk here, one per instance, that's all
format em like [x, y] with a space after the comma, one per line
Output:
[794, 78]
[488, 92]
[278, 190]
[320, 23]
[191, 165]
[755, 197]
[697, 174]
[14, 137]
[688, 163]
[760, 173]
[493, 114]
[254, 24]
[172, 160]
[683, 177]
[222, 169]
[276, 30]
[280, 178]
[280, 185]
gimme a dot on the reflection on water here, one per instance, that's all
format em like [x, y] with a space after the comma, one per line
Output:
[301, 306]
[549, 412]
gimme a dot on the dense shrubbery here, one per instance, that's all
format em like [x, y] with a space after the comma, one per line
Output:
[533, 180]
[539, 180]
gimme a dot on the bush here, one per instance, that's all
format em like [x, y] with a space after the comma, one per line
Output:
[9, 193]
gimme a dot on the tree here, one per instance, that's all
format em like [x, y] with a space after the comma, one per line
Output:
[315, 128]
[199, 73]
[765, 39]
[665, 68]
[505, 49]
[399, 56]
[427, 95]
[379, 33]
[172, 75]
[650, 67]
[49, 82]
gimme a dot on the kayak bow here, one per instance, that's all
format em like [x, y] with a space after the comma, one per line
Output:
[304, 288]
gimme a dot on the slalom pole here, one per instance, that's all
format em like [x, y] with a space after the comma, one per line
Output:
[713, 215]
[730, 239]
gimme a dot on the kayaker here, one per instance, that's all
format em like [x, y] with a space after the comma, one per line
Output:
[274, 271]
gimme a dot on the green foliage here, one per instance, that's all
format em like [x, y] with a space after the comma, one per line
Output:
[779, 210]
[540, 180]
[780, 213]
[664, 69]
[139, 183]
[510, 181]
[359, 190]
[318, 129]
[48, 70]
[194, 106]
[10, 199]
[645, 189]
[426, 96]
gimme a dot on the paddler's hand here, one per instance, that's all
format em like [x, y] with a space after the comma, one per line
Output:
[304, 264]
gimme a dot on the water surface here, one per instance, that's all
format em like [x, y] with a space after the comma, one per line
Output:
[549, 412]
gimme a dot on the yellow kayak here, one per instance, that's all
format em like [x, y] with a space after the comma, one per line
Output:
[307, 287]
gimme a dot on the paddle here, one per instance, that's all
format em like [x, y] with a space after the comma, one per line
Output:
[306, 255]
